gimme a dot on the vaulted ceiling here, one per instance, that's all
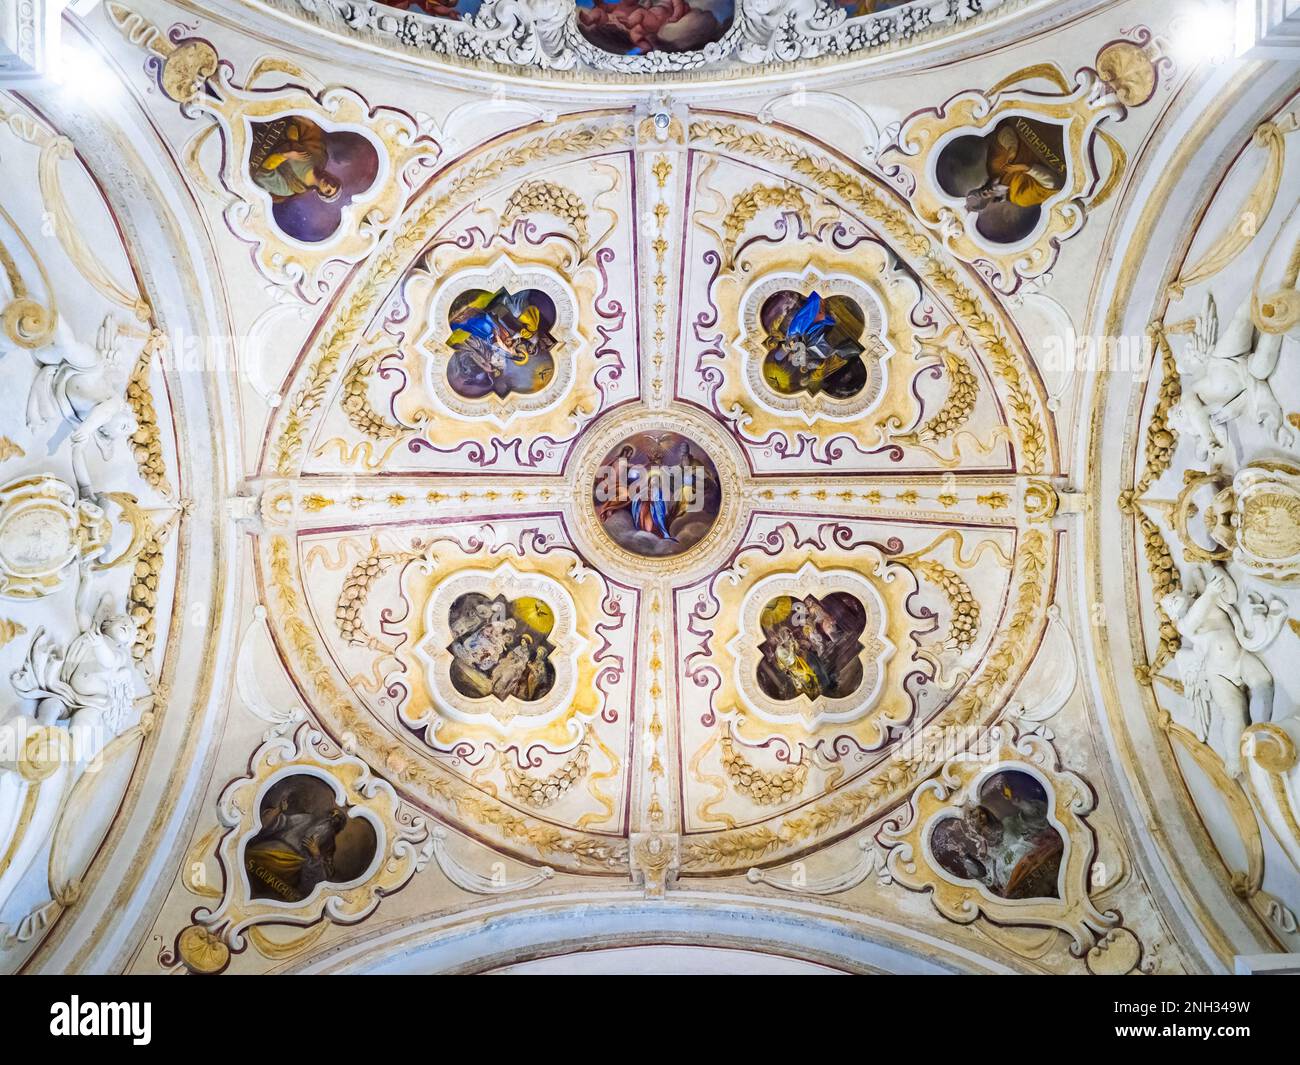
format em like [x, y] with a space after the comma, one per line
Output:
[812, 477]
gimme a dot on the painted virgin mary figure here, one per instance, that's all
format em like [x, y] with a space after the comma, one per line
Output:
[651, 507]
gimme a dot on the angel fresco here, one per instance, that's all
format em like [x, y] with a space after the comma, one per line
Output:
[1003, 839]
[812, 344]
[810, 646]
[1005, 176]
[501, 342]
[309, 173]
[637, 27]
[657, 494]
[500, 647]
[305, 839]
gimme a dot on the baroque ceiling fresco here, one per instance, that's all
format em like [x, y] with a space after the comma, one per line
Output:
[816, 473]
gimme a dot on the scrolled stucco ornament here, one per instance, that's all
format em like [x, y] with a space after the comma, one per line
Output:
[1270, 754]
[44, 529]
[1257, 518]
[527, 31]
[787, 29]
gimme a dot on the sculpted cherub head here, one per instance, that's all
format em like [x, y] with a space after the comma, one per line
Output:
[121, 426]
[118, 628]
[1175, 604]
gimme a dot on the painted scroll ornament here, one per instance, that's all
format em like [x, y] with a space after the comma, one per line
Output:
[1001, 834]
[309, 835]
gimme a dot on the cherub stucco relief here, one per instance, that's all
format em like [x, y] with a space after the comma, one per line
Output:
[1220, 670]
[1224, 375]
[82, 385]
[92, 680]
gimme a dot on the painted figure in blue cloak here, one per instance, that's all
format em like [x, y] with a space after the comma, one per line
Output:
[653, 502]
[656, 494]
[650, 507]
[812, 344]
[501, 342]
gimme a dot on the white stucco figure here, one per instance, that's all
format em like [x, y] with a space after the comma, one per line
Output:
[1218, 665]
[1224, 375]
[83, 386]
[93, 679]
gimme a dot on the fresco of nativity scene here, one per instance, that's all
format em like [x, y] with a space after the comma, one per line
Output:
[810, 646]
[1005, 175]
[812, 344]
[310, 174]
[1003, 839]
[657, 494]
[499, 647]
[501, 342]
[306, 839]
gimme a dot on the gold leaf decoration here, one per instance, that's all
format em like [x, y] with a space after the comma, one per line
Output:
[746, 206]
[546, 197]
[540, 792]
[763, 788]
[963, 390]
[356, 401]
[146, 443]
[10, 629]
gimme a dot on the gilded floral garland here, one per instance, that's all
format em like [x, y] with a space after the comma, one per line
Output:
[966, 307]
[387, 263]
[394, 762]
[977, 705]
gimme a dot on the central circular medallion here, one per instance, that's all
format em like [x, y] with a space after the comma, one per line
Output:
[656, 493]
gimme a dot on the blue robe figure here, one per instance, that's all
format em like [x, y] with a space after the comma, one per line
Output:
[653, 514]
[805, 332]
